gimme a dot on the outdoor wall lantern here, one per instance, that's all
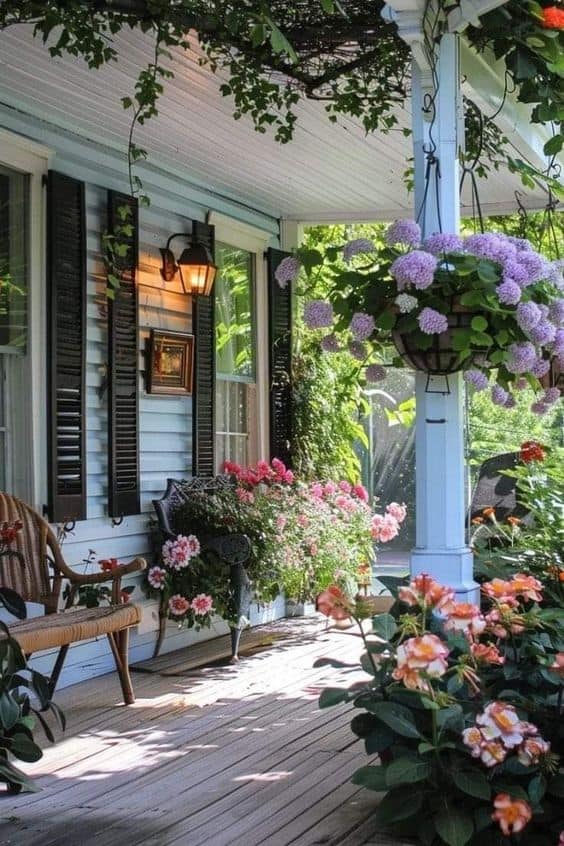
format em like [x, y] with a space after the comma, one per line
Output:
[195, 265]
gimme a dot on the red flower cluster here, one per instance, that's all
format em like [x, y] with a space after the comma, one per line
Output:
[532, 451]
[9, 531]
[109, 564]
[262, 473]
[553, 18]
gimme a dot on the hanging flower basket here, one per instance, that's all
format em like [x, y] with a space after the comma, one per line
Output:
[443, 355]
[487, 304]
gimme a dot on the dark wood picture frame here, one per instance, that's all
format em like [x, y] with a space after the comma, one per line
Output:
[170, 363]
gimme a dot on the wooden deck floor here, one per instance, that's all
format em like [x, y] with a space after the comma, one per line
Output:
[220, 755]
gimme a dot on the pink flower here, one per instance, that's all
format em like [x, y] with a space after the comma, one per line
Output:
[398, 511]
[512, 815]
[330, 488]
[278, 466]
[384, 528]
[303, 521]
[333, 603]
[360, 492]
[281, 521]
[177, 553]
[464, 617]
[231, 468]
[490, 752]
[532, 750]
[486, 653]
[500, 721]
[420, 658]
[202, 604]
[244, 495]
[178, 605]
[345, 487]
[313, 549]
[288, 477]
[156, 577]
[316, 490]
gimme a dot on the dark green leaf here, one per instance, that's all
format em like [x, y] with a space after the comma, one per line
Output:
[384, 626]
[25, 749]
[397, 717]
[9, 710]
[332, 696]
[472, 782]
[399, 804]
[379, 740]
[537, 788]
[454, 826]
[407, 771]
[373, 778]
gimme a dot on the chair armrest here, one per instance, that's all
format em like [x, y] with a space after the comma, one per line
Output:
[79, 579]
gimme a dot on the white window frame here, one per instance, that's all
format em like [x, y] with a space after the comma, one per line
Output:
[255, 241]
[29, 371]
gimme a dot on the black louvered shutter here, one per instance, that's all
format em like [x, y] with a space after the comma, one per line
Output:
[66, 339]
[280, 361]
[123, 366]
[203, 407]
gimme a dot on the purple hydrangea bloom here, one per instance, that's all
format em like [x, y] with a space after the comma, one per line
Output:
[416, 268]
[540, 368]
[375, 373]
[477, 379]
[551, 395]
[556, 312]
[554, 275]
[508, 293]
[539, 408]
[443, 243]
[514, 271]
[356, 247]
[543, 333]
[558, 345]
[330, 343]
[509, 402]
[491, 245]
[528, 315]
[287, 271]
[406, 232]
[535, 265]
[520, 243]
[499, 395]
[522, 357]
[318, 314]
[362, 326]
[358, 350]
[432, 322]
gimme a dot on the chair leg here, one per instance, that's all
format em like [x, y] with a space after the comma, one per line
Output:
[119, 643]
[235, 638]
[56, 672]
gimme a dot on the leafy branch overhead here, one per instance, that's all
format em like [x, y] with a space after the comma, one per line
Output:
[277, 52]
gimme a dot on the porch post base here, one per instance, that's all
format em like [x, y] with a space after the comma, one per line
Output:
[450, 567]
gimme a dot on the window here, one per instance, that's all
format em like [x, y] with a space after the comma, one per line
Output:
[236, 413]
[14, 193]
[23, 164]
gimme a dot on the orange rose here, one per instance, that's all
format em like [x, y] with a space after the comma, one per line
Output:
[511, 814]
[486, 653]
[513, 521]
[419, 658]
[464, 617]
[488, 512]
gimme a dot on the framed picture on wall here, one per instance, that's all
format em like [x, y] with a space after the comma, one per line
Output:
[170, 363]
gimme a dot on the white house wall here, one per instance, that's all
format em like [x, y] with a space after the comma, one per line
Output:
[165, 423]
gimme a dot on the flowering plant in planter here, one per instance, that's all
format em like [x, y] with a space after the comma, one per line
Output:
[463, 708]
[190, 590]
[304, 535]
[488, 304]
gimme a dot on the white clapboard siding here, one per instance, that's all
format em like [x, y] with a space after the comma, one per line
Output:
[165, 423]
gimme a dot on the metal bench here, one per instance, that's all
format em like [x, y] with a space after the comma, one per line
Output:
[35, 568]
[234, 549]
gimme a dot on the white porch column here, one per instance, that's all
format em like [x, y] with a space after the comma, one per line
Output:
[439, 443]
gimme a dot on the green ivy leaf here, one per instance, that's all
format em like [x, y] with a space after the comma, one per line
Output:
[479, 323]
[554, 145]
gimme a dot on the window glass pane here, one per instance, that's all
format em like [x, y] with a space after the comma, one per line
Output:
[234, 312]
[232, 435]
[13, 258]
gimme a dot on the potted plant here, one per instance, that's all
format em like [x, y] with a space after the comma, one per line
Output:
[488, 304]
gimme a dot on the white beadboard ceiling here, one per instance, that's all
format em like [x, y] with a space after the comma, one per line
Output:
[327, 173]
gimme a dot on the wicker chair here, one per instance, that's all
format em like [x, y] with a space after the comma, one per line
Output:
[38, 571]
